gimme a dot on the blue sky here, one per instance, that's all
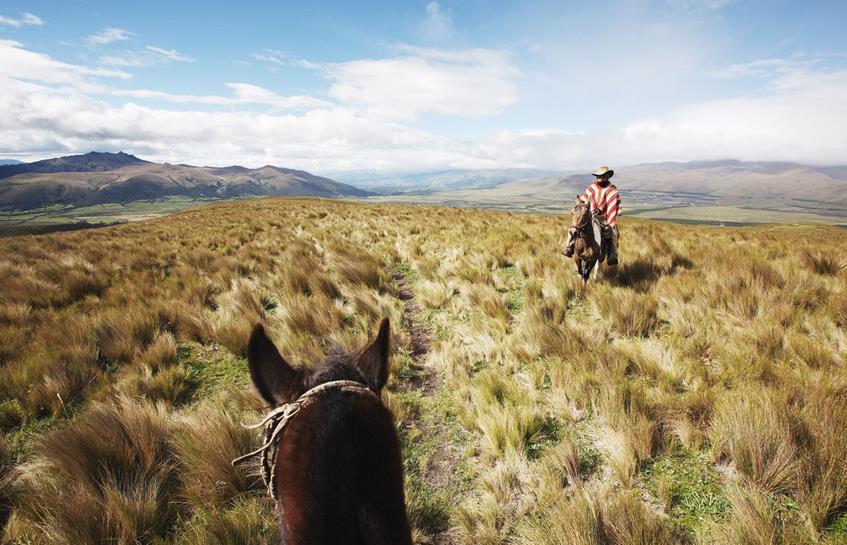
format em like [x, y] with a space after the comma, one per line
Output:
[330, 86]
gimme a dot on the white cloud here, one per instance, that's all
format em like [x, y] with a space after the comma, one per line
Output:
[799, 120]
[55, 107]
[438, 24]
[471, 83]
[17, 62]
[30, 19]
[149, 56]
[169, 54]
[109, 35]
[66, 120]
[26, 19]
[246, 93]
[242, 94]
[272, 56]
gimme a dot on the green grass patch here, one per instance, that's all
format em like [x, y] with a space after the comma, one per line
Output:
[407, 272]
[837, 530]
[590, 457]
[18, 440]
[211, 369]
[436, 326]
[694, 486]
[549, 434]
[515, 295]
[403, 368]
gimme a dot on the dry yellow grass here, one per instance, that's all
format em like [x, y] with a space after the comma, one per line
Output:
[123, 345]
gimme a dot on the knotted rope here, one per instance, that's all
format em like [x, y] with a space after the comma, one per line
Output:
[275, 421]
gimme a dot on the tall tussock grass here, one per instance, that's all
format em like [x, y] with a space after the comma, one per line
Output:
[627, 312]
[754, 430]
[756, 520]
[596, 517]
[107, 477]
[543, 408]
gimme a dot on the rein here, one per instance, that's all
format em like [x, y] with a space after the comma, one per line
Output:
[275, 421]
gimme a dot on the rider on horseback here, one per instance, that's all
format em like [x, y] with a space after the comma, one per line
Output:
[606, 203]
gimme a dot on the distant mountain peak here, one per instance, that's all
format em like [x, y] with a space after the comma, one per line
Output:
[93, 161]
[107, 154]
[100, 177]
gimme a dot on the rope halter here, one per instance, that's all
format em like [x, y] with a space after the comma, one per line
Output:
[275, 421]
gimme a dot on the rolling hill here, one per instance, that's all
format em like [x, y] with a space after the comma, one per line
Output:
[99, 178]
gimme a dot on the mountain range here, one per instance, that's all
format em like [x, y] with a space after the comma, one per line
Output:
[730, 189]
[98, 178]
[728, 183]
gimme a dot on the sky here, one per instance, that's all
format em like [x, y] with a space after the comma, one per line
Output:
[406, 86]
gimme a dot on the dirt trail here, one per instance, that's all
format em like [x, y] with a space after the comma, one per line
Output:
[439, 466]
[419, 333]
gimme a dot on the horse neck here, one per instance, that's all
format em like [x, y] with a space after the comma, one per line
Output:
[335, 464]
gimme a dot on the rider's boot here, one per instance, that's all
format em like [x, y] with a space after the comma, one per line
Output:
[569, 245]
[612, 240]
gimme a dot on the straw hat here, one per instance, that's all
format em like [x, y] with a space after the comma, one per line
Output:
[604, 171]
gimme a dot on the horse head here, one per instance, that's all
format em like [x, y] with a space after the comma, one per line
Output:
[580, 213]
[331, 457]
[279, 383]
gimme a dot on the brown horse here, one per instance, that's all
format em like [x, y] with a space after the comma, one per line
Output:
[331, 457]
[588, 250]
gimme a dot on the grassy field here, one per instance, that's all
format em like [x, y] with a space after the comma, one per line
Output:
[698, 395]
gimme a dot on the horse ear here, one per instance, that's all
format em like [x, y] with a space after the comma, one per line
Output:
[373, 361]
[271, 375]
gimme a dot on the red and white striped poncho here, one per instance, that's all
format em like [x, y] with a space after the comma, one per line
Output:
[605, 199]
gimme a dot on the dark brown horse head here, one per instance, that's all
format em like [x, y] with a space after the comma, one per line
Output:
[279, 383]
[338, 474]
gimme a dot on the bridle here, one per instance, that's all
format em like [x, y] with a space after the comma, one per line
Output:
[276, 420]
[583, 227]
